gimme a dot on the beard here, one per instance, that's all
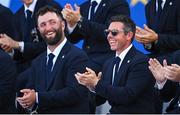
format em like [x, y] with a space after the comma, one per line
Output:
[55, 40]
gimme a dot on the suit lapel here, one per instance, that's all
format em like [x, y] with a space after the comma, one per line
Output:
[104, 4]
[165, 13]
[23, 19]
[152, 15]
[109, 72]
[124, 66]
[58, 67]
[41, 76]
[85, 9]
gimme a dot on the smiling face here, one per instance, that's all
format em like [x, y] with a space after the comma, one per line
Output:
[117, 38]
[51, 28]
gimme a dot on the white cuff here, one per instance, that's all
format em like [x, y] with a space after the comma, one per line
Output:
[91, 89]
[11, 53]
[160, 85]
[21, 45]
[71, 29]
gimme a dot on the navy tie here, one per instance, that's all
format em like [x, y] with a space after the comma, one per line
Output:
[49, 66]
[116, 64]
[27, 28]
[93, 6]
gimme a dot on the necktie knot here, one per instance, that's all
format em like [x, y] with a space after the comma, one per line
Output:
[51, 56]
[94, 4]
[28, 13]
[92, 12]
[116, 61]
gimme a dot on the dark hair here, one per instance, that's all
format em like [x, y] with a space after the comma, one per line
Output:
[46, 9]
[129, 25]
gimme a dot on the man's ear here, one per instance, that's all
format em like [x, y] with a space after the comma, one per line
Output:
[129, 36]
[63, 25]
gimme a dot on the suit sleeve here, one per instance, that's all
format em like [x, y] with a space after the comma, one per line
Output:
[169, 91]
[169, 38]
[95, 29]
[6, 24]
[7, 80]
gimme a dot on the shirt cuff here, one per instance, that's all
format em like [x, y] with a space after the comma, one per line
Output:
[160, 85]
[71, 29]
[91, 89]
[148, 46]
[21, 45]
[11, 53]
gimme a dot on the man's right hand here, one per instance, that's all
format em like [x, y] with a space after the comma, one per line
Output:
[71, 16]
[157, 69]
[7, 43]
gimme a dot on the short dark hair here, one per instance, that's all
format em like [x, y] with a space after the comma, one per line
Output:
[129, 25]
[46, 9]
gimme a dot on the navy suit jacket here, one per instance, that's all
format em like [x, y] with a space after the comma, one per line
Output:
[95, 42]
[171, 90]
[169, 26]
[62, 94]
[7, 82]
[133, 89]
[6, 21]
[34, 45]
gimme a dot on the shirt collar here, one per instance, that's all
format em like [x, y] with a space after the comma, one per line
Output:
[123, 54]
[31, 6]
[163, 3]
[58, 49]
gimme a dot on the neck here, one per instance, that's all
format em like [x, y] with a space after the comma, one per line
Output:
[53, 47]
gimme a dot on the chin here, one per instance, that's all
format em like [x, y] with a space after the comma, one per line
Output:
[113, 49]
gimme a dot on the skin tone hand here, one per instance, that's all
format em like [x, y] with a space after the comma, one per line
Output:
[71, 16]
[172, 72]
[28, 99]
[89, 78]
[145, 35]
[158, 70]
[7, 43]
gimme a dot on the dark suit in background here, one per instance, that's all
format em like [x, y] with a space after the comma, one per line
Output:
[34, 44]
[63, 94]
[7, 82]
[133, 90]
[92, 31]
[6, 21]
[171, 90]
[168, 28]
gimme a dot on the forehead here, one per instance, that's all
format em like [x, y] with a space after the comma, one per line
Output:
[47, 16]
[116, 25]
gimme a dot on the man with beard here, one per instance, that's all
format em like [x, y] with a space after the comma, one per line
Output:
[52, 87]
[26, 43]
